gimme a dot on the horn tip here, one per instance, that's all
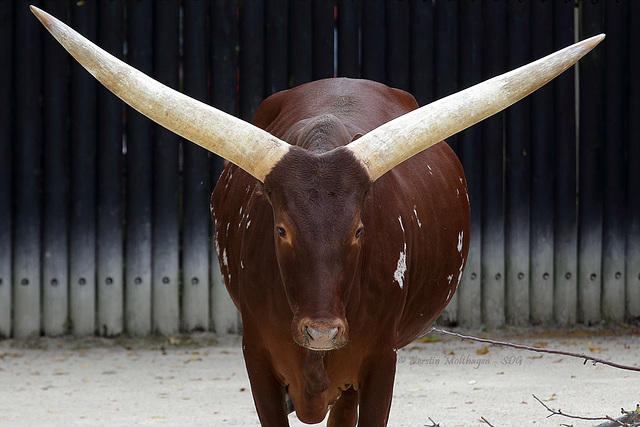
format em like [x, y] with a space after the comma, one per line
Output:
[592, 42]
[36, 11]
[42, 16]
[46, 19]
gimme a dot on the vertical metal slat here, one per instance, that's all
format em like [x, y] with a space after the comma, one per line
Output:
[422, 57]
[566, 215]
[224, 316]
[591, 168]
[348, 38]
[323, 33]
[196, 218]
[398, 46]
[493, 254]
[165, 230]
[614, 201]
[470, 144]
[6, 169]
[373, 41]
[633, 172]
[139, 180]
[55, 227]
[251, 85]
[518, 170]
[300, 43]
[82, 230]
[110, 250]
[27, 176]
[542, 173]
[277, 48]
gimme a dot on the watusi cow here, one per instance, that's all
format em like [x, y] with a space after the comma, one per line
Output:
[340, 238]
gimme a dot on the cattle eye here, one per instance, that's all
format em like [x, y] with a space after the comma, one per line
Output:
[358, 232]
[282, 232]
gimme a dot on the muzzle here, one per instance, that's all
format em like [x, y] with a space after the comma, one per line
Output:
[321, 335]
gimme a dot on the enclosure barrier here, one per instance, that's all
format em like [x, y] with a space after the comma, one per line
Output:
[104, 220]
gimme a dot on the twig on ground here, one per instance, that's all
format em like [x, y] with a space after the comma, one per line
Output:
[488, 423]
[586, 358]
[577, 417]
[433, 423]
[629, 419]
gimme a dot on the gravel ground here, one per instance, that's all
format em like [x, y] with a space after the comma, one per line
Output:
[200, 380]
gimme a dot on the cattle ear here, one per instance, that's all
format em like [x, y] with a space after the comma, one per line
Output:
[262, 191]
[356, 136]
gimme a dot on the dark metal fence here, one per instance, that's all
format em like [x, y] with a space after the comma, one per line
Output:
[104, 218]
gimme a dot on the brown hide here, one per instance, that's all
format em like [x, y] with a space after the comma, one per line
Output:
[320, 247]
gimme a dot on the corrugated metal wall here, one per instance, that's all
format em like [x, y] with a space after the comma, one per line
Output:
[104, 218]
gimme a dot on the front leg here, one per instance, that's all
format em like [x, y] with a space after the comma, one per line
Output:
[269, 394]
[376, 389]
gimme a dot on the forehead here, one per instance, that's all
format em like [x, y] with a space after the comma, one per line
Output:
[305, 183]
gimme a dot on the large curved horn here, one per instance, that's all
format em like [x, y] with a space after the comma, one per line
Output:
[251, 148]
[392, 143]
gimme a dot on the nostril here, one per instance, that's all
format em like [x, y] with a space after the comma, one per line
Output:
[308, 332]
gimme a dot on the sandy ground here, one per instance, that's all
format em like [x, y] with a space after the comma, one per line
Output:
[201, 381]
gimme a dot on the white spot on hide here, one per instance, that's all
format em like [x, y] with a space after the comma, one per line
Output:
[461, 271]
[398, 276]
[248, 223]
[415, 212]
[216, 245]
[225, 261]
[401, 268]
[450, 277]
[226, 185]
[460, 236]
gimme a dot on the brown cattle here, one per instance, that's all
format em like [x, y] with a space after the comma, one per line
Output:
[319, 258]
[340, 238]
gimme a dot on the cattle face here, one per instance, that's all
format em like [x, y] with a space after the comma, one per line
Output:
[340, 238]
[318, 234]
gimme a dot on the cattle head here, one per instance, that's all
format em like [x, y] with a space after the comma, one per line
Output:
[317, 233]
[316, 196]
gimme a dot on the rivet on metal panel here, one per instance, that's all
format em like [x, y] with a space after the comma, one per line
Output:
[593, 276]
[54, 282]
[82, 281]
[520, 275]
[195, 281]
[24, 282]
[137, 280]
[165, 280]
